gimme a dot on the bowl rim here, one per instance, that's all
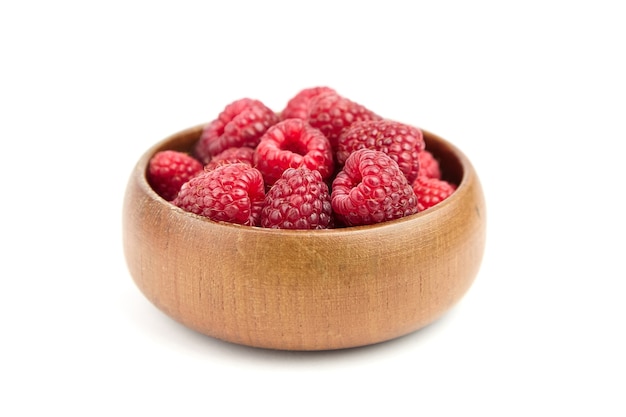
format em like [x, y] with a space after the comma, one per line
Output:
[140, 171]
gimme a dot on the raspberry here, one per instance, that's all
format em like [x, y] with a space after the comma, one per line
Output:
[371, 188]
[431, 191]
[231, 155]
[429, 166]
[241, 123]
[298, 106]
[298, 200]
[401, 142]
[293, 143]
[169, 170]
[331, 113]
[231, 193]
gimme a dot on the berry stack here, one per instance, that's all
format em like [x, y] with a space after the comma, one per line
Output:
[322, 162]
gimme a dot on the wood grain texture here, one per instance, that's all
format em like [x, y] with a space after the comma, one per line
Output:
[305, 290]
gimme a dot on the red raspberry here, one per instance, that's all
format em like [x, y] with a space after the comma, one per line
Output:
[298, 106]
[169, 170]
[298, 200]
[429, 166]
[331, 113]
[293, 143]
[431, 191]
[231, 193]
[230, 156]
[371, 189]
[241, 123]
[400, 141]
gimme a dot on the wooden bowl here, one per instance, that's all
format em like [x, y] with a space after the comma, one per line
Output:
[305, 290]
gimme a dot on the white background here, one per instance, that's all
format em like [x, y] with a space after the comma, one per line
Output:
[533, 92]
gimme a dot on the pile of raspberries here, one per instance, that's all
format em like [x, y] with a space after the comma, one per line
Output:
[323, 162]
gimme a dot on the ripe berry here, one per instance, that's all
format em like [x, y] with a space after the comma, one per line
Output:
[371, 188]
[231, 155]
[241, 123]
[169, 170]
[331, 113]
[231, 193]
[298, 106]
[293, 143]
[431, 191]
[429, 166]
[299, 199]
[400, 141]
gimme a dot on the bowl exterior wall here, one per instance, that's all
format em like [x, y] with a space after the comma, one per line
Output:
[304, 290]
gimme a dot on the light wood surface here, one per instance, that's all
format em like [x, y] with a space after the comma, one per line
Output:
[305, 290]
